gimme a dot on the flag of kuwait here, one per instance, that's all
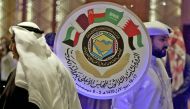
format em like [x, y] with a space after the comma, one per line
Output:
[72, 37]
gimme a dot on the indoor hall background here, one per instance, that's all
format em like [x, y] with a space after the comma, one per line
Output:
[49, 15]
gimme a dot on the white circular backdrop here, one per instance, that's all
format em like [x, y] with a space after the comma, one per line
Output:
[106, 48]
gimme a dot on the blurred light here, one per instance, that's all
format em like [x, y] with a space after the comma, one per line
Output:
[164, 3]
[58, 7]
[152, 11]
[58, 2]
[83, 1]
[178, 12]
[152, 15]
[178, 1]
[153, 6]
[131, 5]
[29, 10]
[1, 4]
[1, 8]
[1, 15]
[153, 1]
[124, 6]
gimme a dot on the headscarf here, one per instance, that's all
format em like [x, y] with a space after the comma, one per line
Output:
[37, 71]
[156, 28]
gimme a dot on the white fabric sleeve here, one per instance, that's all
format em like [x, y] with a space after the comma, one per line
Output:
[125, 101]
[74, 102]
[73, 99]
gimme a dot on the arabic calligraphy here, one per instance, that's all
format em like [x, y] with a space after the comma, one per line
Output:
[111, 84]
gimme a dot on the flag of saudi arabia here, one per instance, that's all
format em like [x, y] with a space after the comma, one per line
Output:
[109, 15]
[72, 37]
[113, 16]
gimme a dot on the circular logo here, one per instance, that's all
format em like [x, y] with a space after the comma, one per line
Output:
[105, 47]
[102, 46]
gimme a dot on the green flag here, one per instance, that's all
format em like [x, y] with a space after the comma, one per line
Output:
[113, 16]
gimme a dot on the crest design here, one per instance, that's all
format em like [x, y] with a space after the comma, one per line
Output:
[101, 45]
[105, 47]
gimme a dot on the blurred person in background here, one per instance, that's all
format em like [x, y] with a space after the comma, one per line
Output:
[8, 64]
[181, 97]
[178, 68]
[50, 38]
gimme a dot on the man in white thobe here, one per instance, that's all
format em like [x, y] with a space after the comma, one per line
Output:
[40, 77]
[153, 91]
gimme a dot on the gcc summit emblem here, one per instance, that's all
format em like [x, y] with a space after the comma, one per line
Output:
[105, 47]
[102, 46]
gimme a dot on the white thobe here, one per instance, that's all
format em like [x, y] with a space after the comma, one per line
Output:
[153, 91]
[40, 72]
